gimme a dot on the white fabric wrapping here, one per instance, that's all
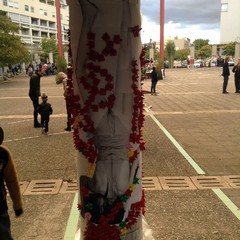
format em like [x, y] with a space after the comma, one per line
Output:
[113, 172]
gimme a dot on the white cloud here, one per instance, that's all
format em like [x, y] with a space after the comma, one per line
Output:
[188, 18]
[151, 30]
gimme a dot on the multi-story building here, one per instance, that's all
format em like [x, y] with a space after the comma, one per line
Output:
[37, 19]
[229, 23]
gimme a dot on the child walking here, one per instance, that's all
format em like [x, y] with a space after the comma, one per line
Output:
[9, 177]
[45, 110]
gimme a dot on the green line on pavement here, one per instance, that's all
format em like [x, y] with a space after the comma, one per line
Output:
[178, 146]
[231, 206]
[72, 221]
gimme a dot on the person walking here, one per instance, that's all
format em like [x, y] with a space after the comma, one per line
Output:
[154, 79]
[45, 110]
[34, 93]
[225, 74]
[8, 177]
[62, 77]
[236, 71]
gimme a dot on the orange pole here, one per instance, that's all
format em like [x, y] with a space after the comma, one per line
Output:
[162, 30]
[59, 29]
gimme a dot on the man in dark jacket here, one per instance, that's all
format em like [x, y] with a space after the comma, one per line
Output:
[34, 93]
[236, 70]
[225, 74]
[154, 78]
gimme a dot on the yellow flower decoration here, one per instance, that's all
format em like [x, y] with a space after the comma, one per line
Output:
[130, 153]
[132, 187]
[124, 231]
[91, 169]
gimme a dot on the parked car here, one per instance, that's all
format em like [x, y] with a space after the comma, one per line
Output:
[166, 64]
[148, 73]
[198, 63]
[179, 64]
[231, 63]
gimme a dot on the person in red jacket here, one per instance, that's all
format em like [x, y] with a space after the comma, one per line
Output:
[9, 177]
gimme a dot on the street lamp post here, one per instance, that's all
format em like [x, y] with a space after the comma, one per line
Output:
[59, 29]
[162, 30]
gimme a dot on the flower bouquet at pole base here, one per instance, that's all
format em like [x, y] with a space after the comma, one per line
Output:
[106, 103]
[146, 232]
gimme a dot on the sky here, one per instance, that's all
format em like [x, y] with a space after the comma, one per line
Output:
[193, 19]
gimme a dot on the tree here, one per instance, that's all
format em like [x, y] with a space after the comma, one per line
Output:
[170, 51]
[229, 49]
[12, 49]
[204, 52]
[182, 54]
[199, 43]
[49, 45]
[61, 64]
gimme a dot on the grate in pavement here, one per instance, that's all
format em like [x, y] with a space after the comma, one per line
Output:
[40, 187]
[23, 186]
[69, 186]
[210, 182]
[151, 183]
[233, 181]
[176, 183]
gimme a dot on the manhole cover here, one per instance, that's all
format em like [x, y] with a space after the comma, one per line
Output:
[176, 183]
[69, 186]
[233, 181]
[151, 183]
[37, 187]
[209, 182]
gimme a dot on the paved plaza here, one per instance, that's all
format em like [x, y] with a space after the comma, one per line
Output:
[191, 163]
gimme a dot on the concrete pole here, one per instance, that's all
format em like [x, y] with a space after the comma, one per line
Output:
[192, 55]
[237, 53]
[107, 130]
[50, 56]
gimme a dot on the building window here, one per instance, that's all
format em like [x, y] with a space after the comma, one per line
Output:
[26, 8]
[5, 3]
[32, 9]
[10, 4]
[16, 5]
[25, 32]
[53, 14]
[43, 12]
[24, 19]
[224, 7]
[14, 16]
[52, 25]
[34, 21]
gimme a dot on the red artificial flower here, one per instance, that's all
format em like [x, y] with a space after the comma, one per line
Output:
[117, 39]
[85, 191]
[106, 37]
[91, 36]
[136, 30]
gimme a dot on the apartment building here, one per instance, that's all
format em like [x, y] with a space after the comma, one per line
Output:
[37, 19]
[229, 22]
